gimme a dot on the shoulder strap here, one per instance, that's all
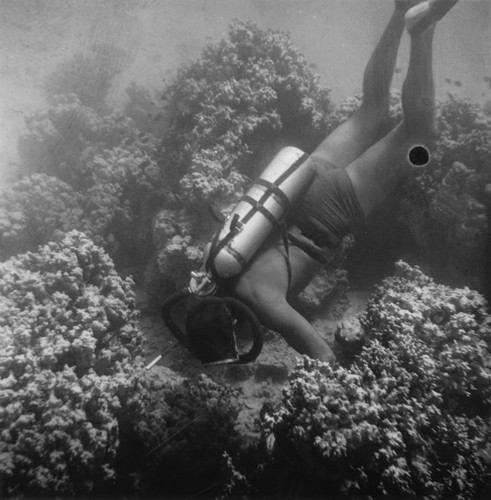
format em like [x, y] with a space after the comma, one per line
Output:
[284, 236]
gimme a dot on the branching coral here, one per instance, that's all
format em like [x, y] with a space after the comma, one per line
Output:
[68, 349]
[110, 170]
[408, 417]
[33, 210]
[117, 207]
[177, 251]
[250, 89]
[114, 208]
[62, 140]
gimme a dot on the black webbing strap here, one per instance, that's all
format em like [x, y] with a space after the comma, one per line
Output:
[291, 169]
[286, 244]
[257, 206]
[273, 189]
[216, 246]
[268, 192]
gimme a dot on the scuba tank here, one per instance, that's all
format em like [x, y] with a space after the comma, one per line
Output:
[260, 211]
[257, 214]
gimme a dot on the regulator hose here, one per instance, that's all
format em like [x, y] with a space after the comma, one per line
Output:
[166, 311]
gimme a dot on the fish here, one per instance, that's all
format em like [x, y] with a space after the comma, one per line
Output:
[144, 164]
[145, 140]
[447, 80]
[457, 83]
[487, 78]
[397, 70]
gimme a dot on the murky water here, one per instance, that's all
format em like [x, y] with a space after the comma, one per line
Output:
[158, 36]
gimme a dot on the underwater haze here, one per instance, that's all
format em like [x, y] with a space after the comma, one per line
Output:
[336, 36]
[131, 129]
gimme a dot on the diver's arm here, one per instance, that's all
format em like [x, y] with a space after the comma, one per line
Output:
[276, 313]
[280, 316]
[264, 286]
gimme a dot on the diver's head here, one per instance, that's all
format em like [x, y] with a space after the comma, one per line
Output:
[210, 334]
[210, 331]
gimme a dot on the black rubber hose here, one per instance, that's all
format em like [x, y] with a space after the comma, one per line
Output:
[166, 311]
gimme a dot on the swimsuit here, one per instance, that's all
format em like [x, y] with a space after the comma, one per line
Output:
[329, 209]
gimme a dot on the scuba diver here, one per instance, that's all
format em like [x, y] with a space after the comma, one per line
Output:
[256, 262]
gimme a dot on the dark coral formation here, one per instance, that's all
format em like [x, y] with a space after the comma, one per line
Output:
[187, 429]
[69, 345]
[409, 417]
[78, 413]
[89, 171]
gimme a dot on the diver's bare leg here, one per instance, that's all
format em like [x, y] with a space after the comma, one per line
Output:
[364, 127]
[418, 90]
[375, 174]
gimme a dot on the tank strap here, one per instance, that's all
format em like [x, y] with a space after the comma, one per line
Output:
[291, 169]
[216, 246]
[272, 188]
[275, 191]
[286, 244]
[259, 207]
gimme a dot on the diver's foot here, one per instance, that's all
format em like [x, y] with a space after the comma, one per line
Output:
[424, 14]
[405, 5]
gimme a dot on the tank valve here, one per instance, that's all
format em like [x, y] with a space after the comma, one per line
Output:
[202, 284]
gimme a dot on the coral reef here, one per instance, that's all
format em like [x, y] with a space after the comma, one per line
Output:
[103, 180]
[177, 251]
[33, 211]
[409, 416]
[323, 285]
[114, 208]
[249, 90]
[79, 414]
[187, 430]
[61, 140]
[447, 208]
[126, 186]
[230, 111]
[68, 368]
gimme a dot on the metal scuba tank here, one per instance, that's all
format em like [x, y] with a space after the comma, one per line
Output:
[260, 211]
